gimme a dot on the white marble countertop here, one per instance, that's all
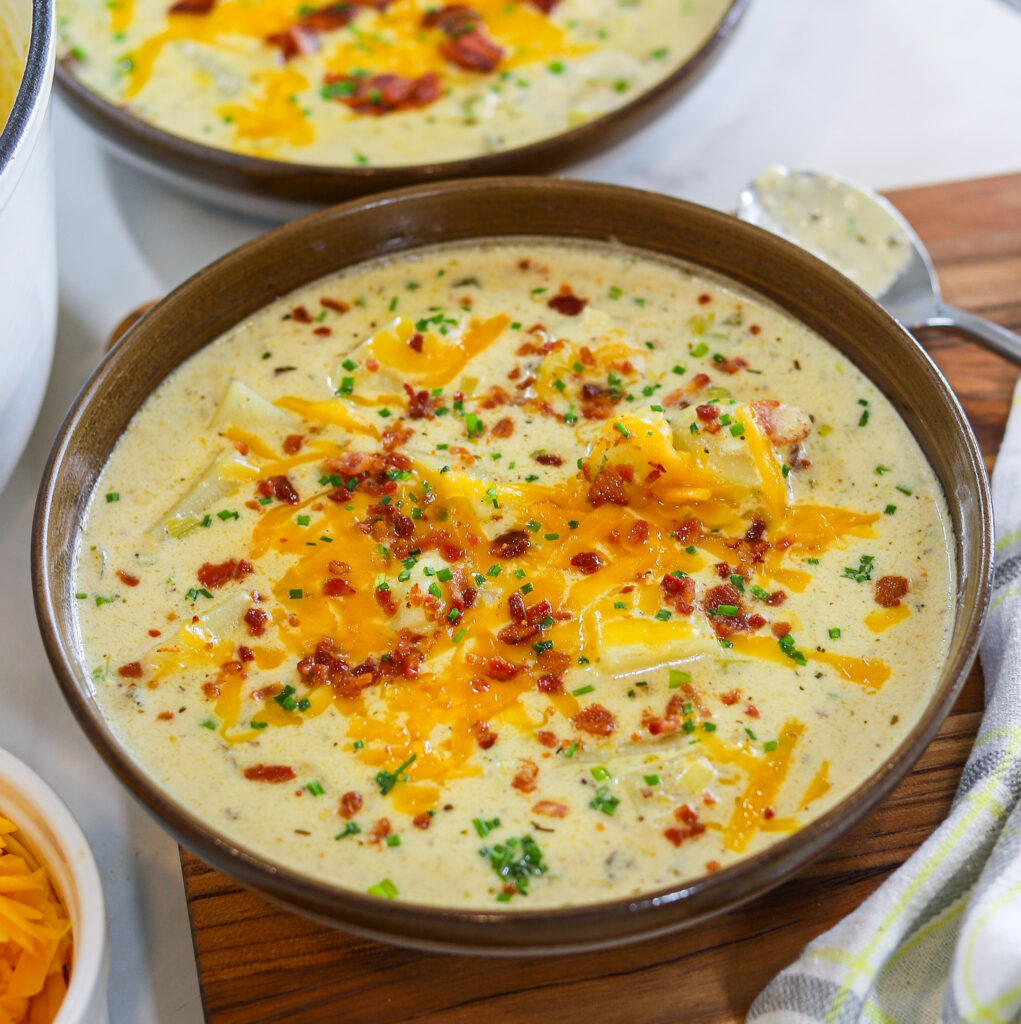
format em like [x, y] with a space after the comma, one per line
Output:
[886, 93]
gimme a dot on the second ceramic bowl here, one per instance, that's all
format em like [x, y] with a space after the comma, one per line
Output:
[248, 279]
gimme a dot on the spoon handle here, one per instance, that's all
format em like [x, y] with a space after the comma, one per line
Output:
[999, 339]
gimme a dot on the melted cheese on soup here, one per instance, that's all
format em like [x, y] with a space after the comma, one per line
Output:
[520, 575]
[380, 82]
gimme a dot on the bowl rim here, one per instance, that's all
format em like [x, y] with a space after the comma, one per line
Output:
[88, 964]
[515, 932]
[33, 90]
[283, 178]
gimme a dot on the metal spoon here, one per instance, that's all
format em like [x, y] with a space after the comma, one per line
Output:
[868, 239]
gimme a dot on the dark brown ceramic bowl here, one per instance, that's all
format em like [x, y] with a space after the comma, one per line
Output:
[280, 189]
[256, 274]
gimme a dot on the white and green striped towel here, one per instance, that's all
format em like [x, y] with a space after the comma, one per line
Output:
[940, 941]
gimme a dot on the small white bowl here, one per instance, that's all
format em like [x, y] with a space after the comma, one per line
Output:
[55, 837]
[28, 256]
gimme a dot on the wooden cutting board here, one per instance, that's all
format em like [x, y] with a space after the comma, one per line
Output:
[259, 964]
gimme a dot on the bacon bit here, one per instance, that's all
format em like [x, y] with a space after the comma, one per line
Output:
[453, 19]
[780, 629]
[132, 670]
[689, 825]
[422, 821]
[501, 669]
[280, 487]
[479, 685]
[326, 665]
[731, 697]
[754, 532]
[192, 7]
[415, 343]
[524, 781]
[379, 831]
[550, 809]
[776, 599]
[127, 579]
[494, 397]
[503, 427]
[333, 16]
[270, 773]
[155, 632]
[704, 298]
[768, 813]
[752, 711]
[323, 332]
[240, 447]
[472, 50]
[587, 562]
[420, 403]
[350, 804]
[689, 531]
[211, 690]
[566, 302]
[517, 633]
[597, 402]
[386, 93]
[889, 590]
[385, 600]
[264, 692]
[679, 594]
[216, 576]
[754, 329]
[462, 593]
[395, 522]
[731, 366]
[547, 738]
[723, 570]
[245, 653]
[709, 415]
[165, 716]
[293, 442]
[546, 459]
[301, 315]
[335, 304]
[712, 865]
[544, 5]
[336, 587]
[638, 533]
[608, 486]
[550, 684]
[511, 544]
[483, 733]
[595, 719]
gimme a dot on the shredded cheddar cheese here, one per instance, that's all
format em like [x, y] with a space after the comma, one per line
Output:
[35, 936]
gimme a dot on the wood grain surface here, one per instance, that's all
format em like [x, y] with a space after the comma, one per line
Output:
[259, 964]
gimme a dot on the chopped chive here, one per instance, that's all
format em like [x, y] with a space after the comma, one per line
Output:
[352, 828]
[582, 690]
[651, 780]
[834, 633]
[315, 788]
[678, 678]
[600, 773]
[385, 889]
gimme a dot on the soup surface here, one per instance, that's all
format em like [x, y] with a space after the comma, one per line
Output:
[527, 574]
[377, 82]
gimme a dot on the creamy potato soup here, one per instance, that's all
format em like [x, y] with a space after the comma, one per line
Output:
[514, 576]
[384, 82]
